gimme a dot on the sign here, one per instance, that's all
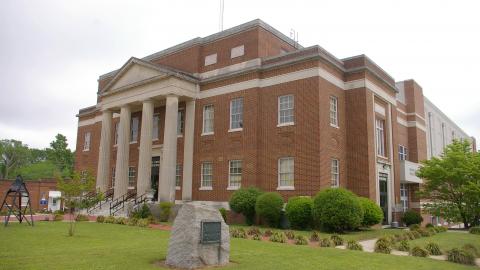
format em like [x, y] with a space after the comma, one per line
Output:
[43, 202]
[211, 232]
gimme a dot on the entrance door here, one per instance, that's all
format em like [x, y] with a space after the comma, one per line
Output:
[383, 180]
[155, 176]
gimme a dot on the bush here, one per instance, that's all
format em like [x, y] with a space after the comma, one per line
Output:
[81, 217]
[474, 230]
[440, 229]
[58, 217]
[460, 256]
[299, 212]
[314, 236]
[61, 212]
[337, 209]
[403, 245]
[387, 239]
[121, 221]
[143, 222]
[409, 235]
[416, 234]
[267, 233]
[424, 232]
[141, 212]
[411, 217]
[253, 230]
[243, 202]
[257, 237]
[278, 237]
[418, 252]
[372, 213]
[301, 240]
[110, 219]
[238, 233]
[472, 249]
[223, 212]
[165, 211]
[326, 242]
[354, 245]
[290, 234]
[433, 249]
[414, 227]
[399, 237]
[429, 225]
[269, 206]
[336, 239]
[100, 219]
[132, 221]
[432, 231]
[382, 246]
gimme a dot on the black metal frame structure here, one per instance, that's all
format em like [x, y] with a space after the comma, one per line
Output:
[13, 202]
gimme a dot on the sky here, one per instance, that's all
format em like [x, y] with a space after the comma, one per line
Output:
[53, 52]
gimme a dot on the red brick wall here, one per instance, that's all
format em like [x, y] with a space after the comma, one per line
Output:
[35, 188]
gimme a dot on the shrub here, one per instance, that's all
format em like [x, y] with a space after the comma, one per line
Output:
[100, 219]
[269, 206]
[433, 249]
[61, 212]
[440, 229]
[110, 219]
[382, 246]
[301, 240]
[387, 239]
[354, 245]
[472, 249]
[223, 212]
[143, 222]
[299, 212]
[474, 230]
[326, 242]
[372, 213]
[416, 234]
[411, 217]
[403, 245]
[336, 239]
[257, 237]
[58, 217]
[409, 235]
[423, 232]
[141, 212]
[414, 227]
[121, 221]
[267, 233]
[290, 234]
[399, 237]
[337, 209]
[238, 233]
[314, 236]
[81, 217]
[253, 230]
[460, 256]
[165, 211]
[429, 225]
[278, 237]
[132, 221]
[418, 252]
[243, 202]
[432, 231]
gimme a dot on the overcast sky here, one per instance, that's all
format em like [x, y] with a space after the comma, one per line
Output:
[52, 52]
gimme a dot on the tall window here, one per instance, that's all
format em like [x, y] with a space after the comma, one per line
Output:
[180, 122]
[335, 171]
[207, 175]
[131, 177]
[236, 113]
[134, 130]
[235, 174]
[115, 140]
[86, 142]
[285, 109]
[404, 197]
[286, 172]
[156, 119]
[402, 152]
[113, 177]
[178, 175]
[208, 116]
[380, 137]
[334, 111]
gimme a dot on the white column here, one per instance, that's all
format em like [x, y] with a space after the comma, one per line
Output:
[166, 185]
[123, 148]
[188, 151]
[104, 152]
[145, 155]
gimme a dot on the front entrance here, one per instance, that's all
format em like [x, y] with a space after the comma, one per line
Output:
[155, 176]
[382, 181]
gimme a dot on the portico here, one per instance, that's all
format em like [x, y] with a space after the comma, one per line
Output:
[141, 86]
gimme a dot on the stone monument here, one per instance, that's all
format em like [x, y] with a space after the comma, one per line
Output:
[199, 238]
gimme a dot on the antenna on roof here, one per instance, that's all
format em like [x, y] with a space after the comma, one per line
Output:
[294, 37]
[221, 16]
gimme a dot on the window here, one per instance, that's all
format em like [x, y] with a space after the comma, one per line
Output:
[207, 175]
[333, 111]
[404, 197]
[235, 174]
[236, 113]
[86, 143]
[156, 119]
[115, 140]
[380, 137]
[131, 177]
[208, 116]
[237, 51]
[402, 152]
[178, 175]
[210, 59]
[285, 109]
[134, 130]
[113, 177]
[285, 172]
[180, 122]
[335, 170]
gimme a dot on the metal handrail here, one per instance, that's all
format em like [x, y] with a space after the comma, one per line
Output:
[119, 203]
[108, 196]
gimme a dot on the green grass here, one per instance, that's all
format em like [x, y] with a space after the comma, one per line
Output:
[449, 240]
[111, 246]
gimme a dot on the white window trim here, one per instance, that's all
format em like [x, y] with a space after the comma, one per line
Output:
[286, 124]
[336, 111]
[158, 126]
[203, 121]
[279, 187]
[202, 187]
[279, 124]
[230, 116]
[207, 134]
[205, 188]
[85, 148]
[235, 129]
[337, 174]
[230, 187]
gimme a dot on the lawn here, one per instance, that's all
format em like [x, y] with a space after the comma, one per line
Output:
[449, 240]
[111, 246]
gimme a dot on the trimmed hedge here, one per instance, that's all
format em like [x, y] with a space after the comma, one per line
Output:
[299, 212]
[354, 245]
[382, 246]
[100, 219]
[269, 206]
[372, 213]
[337, 209]
[418, 252]
[243, 201]
[411, 217]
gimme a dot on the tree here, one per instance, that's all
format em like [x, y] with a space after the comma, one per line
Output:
[452, 184]
[59, 154]
[13, 154]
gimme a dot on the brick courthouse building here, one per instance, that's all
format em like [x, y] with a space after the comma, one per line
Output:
[249, 107]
